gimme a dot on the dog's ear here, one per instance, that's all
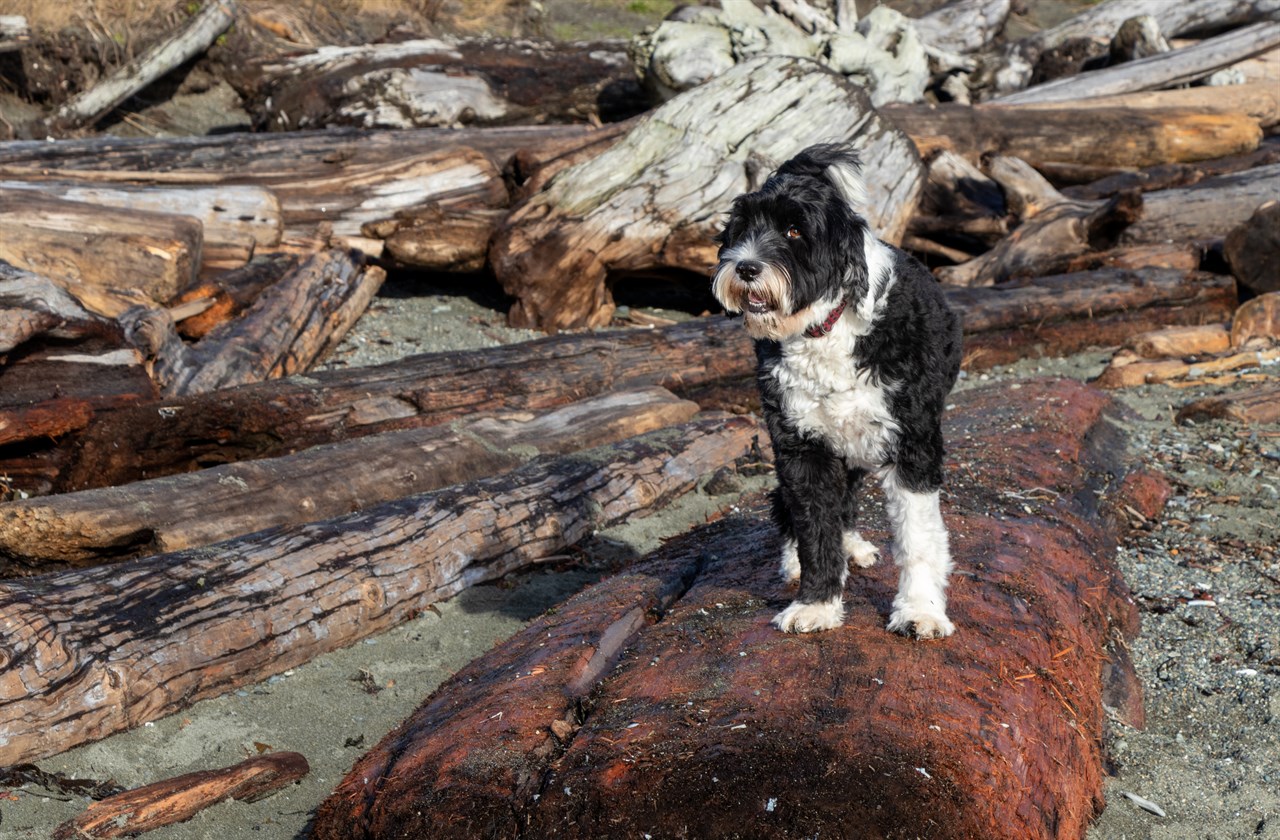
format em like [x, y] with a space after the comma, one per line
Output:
[846, 176]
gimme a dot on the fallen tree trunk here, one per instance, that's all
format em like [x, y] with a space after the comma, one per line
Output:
[80, 244]
[1170, 175]
[216, 301]
[655, 199]
[661, 701]
[1049, 136]
[230, 216]
[92, 105]
[273, 418]
[430, 82]
[182, 797]
[1169, 69]
[963, 26]
[1054, 316]
[199, 508]
[1204, 211]
[289, 327]
[93, 652]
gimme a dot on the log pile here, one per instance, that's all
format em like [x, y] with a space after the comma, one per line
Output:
[164, 302]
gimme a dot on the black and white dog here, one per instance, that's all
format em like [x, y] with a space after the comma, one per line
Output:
[857, 351]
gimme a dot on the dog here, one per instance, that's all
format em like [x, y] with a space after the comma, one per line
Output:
[856, 351]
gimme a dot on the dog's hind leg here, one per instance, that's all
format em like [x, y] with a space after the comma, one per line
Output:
[811, 487]
[922, 551]
[864, 554]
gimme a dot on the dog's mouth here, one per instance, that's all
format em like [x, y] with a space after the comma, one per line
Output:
[757, 305]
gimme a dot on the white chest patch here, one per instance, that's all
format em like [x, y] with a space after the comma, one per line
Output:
[823, 394]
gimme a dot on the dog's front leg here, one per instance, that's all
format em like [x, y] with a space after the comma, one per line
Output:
[922, 552]
[808, 506]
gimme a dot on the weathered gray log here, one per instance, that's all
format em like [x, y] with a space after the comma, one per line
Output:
[198, 508]
[1205, 211]
[964, 26]
[293, 324]
[660, 701]
[90, 106]
[176, 800]
[81, 245]
[1138, 37]
[433, 82]
[93, 652]
[1165, 70]
[1252, 248]
[655, 198]
[1101, 21]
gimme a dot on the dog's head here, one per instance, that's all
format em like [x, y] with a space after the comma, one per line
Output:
[793, 250]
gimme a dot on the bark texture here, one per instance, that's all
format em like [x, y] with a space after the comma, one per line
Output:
[87, 653]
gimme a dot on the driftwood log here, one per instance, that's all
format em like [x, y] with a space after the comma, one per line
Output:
[1046, 316]
[96, 102]
[224, 296]
[1054, 230]
[1207, 210]
[293, 324]
[1164, 70]
[87, 653]
[1100, 22]
[199, 508]
[1169, 175]
[656, 198]
[83, 244]
[1252, 249]
[179, 799]
[431, 82]
[1078, 133]
[661, 701]
[1065, 313]
[59, 364]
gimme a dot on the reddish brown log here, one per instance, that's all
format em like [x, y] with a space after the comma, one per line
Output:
[662, 701]
[90, 652]
[226, 295]
[182, 797]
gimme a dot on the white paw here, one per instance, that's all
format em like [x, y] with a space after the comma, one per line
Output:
[790, 568]
[926, 623]
[864, 554]
[807, 618]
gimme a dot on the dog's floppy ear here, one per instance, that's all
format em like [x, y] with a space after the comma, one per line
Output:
[838, 163]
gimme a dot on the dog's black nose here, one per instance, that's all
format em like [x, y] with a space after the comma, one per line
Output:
[749, 270]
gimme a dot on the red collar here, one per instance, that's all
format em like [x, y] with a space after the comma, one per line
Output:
[819, 330]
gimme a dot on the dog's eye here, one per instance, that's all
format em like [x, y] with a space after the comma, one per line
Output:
[793, 232]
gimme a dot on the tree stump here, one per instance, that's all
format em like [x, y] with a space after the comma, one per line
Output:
[656, 198]
[662, 702]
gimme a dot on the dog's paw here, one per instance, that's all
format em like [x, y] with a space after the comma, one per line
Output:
[864, 554]
[790, 566]
[922, 623]
[808, 618]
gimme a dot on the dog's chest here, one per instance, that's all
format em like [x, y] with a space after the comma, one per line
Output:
[826, 395]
